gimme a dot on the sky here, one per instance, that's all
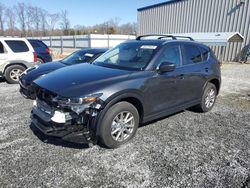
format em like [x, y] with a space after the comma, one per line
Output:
[90, 12]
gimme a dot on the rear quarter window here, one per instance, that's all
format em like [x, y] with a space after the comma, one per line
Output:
[205, 53]
[17, 45]
[192, 55]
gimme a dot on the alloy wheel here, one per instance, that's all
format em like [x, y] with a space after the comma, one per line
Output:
[210, 98]
[122, 126]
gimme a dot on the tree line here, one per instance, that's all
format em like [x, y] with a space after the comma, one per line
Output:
[25, 20]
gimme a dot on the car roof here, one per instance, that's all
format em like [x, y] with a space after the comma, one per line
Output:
[147, 41]
[163, 42]
[35, 40]
[12, 38]
[94, 50]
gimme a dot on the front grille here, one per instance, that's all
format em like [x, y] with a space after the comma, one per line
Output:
[45, 95]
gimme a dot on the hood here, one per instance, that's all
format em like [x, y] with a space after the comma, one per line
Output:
[42, 70]
[81, 79]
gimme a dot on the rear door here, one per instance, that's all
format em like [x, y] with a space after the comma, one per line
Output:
[194, 70]
[20, 50]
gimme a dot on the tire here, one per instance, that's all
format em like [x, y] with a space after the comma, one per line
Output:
[114, 131]
[13, 72]
[208, 99]
[40, 61]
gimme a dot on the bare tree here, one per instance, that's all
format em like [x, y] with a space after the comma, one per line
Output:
[30, 15]
[21, 15]
[44, 23]
[128, 29]
[65, 23]
[10, 20]
[2, 19]
[52, 19]
[37, 12]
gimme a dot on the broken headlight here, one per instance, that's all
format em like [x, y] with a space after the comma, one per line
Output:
[79, 104]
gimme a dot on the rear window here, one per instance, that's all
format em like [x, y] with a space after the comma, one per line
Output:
[17, 45]
[192, 55]
[37, 44]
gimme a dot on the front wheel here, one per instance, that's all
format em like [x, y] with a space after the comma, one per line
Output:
[119, 124]
[13, 72]
[208, 98]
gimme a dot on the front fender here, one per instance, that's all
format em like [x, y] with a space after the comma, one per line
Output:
[114, 99]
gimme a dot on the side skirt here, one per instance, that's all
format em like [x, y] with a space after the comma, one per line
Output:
[169, 111]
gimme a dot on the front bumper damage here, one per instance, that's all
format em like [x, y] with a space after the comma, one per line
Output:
[26, 89]
[63, 123]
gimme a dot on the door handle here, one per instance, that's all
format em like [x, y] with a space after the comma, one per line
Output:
[206, 69]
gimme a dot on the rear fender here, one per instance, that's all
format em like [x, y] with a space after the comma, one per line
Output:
[25, 64]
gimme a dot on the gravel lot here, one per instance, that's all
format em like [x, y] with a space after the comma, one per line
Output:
[184, 150]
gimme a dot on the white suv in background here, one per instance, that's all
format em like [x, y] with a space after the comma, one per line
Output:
[16, 55]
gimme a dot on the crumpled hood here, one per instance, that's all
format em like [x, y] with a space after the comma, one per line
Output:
[81, 79]
[42, 70]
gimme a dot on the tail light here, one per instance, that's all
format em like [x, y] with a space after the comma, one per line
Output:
[35, 57]
[48, 50]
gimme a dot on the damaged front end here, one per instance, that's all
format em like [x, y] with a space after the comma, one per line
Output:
[67, 118]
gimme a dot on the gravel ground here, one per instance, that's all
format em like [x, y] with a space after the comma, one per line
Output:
[186, 149]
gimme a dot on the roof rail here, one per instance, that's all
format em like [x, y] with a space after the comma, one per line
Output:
[156, 35]
[164, 36]
[184, 37]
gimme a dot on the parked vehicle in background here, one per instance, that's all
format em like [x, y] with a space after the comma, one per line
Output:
[80, 56]
[16, 55]
[136, 82]
[42, 50]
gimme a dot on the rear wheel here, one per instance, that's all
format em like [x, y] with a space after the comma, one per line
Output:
[208, 98]
[119, 124]
[13, 72]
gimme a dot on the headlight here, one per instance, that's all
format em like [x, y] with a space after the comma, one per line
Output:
[77, 101]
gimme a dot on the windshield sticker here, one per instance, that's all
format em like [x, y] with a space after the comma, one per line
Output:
[148, 47]
[89, 55]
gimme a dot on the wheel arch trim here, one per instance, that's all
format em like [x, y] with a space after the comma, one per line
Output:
[118, 97]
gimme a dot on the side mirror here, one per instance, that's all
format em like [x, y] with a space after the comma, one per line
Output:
[165, 67]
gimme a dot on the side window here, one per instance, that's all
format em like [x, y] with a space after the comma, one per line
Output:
[192, 55]
[17, 45]
[171, 55]
[1, 48]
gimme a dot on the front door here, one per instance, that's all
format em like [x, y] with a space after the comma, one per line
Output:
[165, 90]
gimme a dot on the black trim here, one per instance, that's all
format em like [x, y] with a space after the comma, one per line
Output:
[170, 111]
[159, 36]
[157, 5]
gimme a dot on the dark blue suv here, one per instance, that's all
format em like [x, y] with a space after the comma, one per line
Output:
[136, 82]
[42, 50]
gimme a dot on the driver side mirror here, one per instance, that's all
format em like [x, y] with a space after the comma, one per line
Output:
[165, 67]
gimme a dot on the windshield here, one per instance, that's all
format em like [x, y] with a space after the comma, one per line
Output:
[77, 57]
[127, 56]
